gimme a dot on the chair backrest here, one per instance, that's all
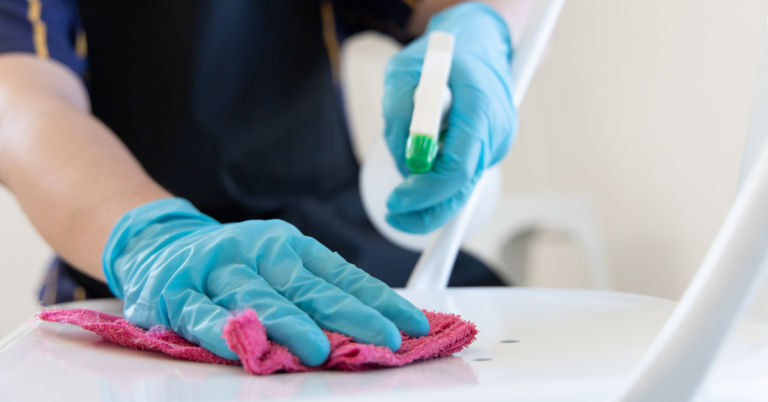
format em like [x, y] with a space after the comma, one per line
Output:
[733, 272]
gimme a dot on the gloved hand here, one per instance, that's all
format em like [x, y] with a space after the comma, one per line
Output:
[482, 121]
[175, 267]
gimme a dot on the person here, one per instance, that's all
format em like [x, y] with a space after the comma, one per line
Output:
[192, 158]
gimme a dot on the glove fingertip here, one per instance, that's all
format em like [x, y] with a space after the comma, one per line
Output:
[218, 346]
[391, 338]
[394, 202]
[407, 198]
[397, 222]
[302, 337]
[414, 323]
[224, 352]
[316, 351]
[417, 223]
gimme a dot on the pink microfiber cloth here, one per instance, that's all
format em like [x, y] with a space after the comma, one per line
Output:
[246, 336]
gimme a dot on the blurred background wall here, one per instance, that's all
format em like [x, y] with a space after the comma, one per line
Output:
[640, 107]
[23, 256]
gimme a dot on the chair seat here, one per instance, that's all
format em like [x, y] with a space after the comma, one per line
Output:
[533, 345]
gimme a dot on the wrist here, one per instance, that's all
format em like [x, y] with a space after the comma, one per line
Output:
[140, 224]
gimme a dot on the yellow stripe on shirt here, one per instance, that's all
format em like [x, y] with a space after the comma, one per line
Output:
[330, 38]
[39, 34]
[81, 45]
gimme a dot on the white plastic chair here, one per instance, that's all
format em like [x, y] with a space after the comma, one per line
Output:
[533, 345]
[678, 361]
[504, 241]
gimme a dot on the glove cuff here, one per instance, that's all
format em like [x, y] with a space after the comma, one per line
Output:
[134, 222]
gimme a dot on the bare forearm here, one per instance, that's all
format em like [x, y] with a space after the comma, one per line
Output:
[514, 12]
[70, 173]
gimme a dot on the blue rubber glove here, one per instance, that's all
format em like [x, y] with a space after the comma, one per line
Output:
[175, 267]
[482, 121]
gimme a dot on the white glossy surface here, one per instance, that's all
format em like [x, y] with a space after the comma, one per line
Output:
[574, 346]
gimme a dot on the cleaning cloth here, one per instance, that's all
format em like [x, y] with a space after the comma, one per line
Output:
[247, 337]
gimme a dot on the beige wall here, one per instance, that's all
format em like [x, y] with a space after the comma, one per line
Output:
[641, 106]
[23, 256]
